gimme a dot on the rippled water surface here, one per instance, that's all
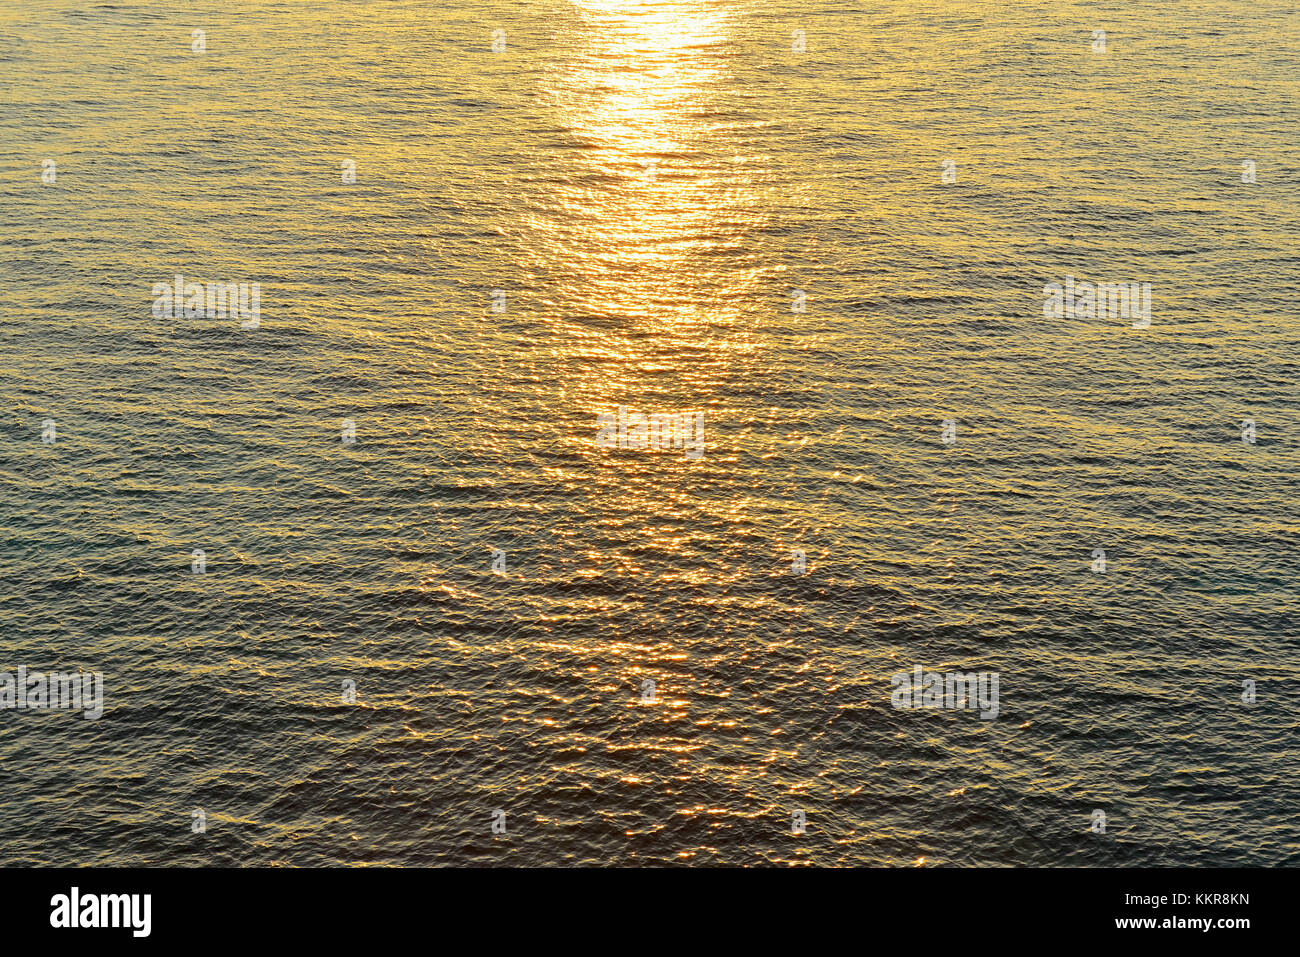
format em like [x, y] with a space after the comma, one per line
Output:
[647, 183]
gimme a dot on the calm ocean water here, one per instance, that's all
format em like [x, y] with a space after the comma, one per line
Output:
[648, 183]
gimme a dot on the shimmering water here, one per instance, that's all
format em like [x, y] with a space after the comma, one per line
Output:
[648, 182]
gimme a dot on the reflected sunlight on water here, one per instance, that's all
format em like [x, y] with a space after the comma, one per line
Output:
[648, 185]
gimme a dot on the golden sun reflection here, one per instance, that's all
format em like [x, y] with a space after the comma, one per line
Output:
[642, 239]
